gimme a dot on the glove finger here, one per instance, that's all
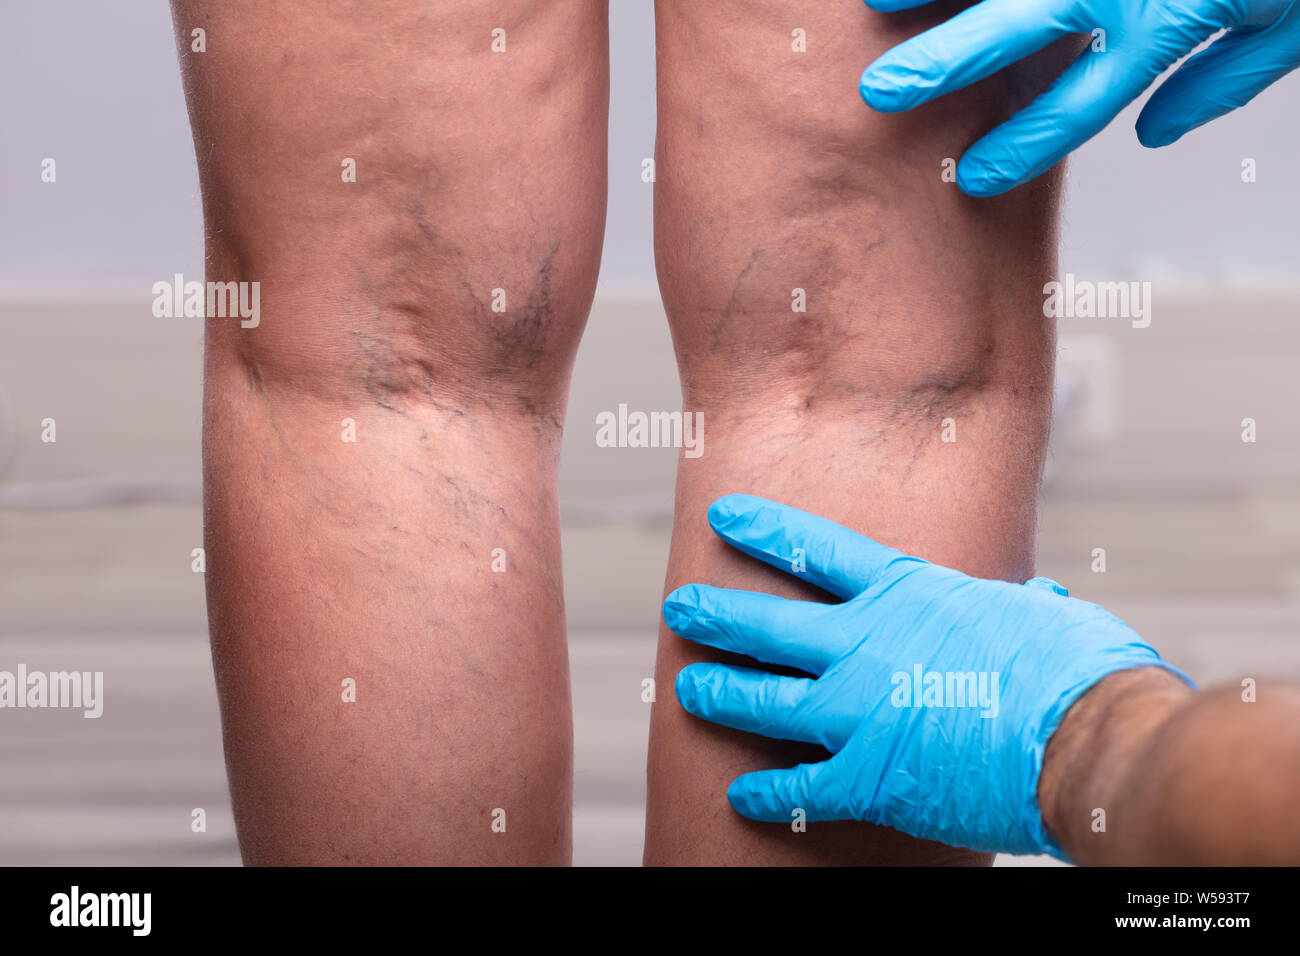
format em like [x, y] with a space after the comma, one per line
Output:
[1226, 75]
[1082, 101]
[767, 628]
[831, 556]
[893, 6]
[1047, 584]
[749, 700]
[976, 43]
[773, 795]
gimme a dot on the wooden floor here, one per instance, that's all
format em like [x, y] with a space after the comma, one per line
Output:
[1201, 532]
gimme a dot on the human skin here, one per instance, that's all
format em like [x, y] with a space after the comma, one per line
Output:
[377, 560]
[1182, 778]
[923, 313]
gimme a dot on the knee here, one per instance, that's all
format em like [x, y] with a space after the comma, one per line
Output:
[794, 325]
[433, 282]
[398, 335]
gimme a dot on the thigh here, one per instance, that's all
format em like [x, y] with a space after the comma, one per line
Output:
[400, 177]
[773, 174]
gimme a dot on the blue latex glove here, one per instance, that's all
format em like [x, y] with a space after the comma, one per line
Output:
[1143, 38]
[962, 775]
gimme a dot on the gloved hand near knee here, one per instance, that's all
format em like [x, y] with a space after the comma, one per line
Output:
[1133, 42]
[935, 692]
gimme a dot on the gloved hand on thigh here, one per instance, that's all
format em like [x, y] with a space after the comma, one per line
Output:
[1133, 42]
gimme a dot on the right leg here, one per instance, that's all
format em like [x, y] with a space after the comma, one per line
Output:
[422, 559]
[921, 306]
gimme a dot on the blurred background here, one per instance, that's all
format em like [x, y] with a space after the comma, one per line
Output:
[1201, 530]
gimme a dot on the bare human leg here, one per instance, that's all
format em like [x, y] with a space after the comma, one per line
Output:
[909, 399]
[380, 451]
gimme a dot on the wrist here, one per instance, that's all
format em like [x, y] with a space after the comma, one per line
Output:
[1087, 759]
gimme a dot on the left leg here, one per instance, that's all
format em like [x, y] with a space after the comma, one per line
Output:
[380, 452]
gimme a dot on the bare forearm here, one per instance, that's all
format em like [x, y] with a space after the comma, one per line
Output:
[1145, 771]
